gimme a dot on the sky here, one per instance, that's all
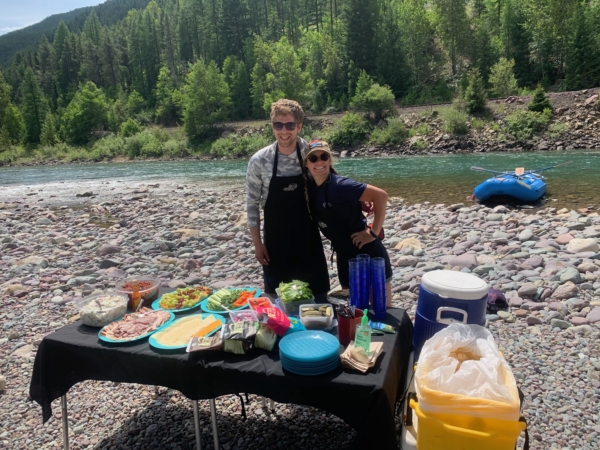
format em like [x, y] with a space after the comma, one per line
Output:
[15, 14]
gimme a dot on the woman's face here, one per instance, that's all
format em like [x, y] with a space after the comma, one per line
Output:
[319, 168]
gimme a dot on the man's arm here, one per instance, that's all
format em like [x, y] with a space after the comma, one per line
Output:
[253, 194]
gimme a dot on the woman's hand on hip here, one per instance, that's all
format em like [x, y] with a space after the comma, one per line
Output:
[262, 255]
[361, 238]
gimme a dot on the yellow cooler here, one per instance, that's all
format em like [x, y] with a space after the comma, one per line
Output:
[463, 432]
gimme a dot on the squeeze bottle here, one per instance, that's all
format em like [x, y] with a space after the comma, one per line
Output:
[363, 335]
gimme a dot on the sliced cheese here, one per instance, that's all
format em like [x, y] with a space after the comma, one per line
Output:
[211, 325]
[181, 332]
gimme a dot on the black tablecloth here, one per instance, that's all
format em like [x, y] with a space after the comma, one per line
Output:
[364, 401]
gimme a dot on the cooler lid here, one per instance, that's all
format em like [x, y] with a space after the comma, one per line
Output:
[451, 284]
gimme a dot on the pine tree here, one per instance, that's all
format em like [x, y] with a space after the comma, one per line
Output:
[502, 78]
[238, 80]
[49, 134]
[34, 107]
[475, 95]
[361, 20]
[452, 26]
[12, 124]
[583, 59]
[234, 28]
[540, 100]
[390, 63]
[166, 112]
[5, 93]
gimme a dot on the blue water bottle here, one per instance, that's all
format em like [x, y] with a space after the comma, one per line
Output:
[364, 273]
[354, 282]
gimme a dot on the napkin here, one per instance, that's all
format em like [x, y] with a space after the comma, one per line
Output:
[356, 358]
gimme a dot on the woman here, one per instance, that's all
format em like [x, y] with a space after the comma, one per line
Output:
[335, 204]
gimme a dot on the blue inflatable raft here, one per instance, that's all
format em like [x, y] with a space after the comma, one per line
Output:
[528, 187]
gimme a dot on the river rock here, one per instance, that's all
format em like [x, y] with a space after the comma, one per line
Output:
[2, 383]
[107, 249]
[578, 321]
[570, 274]
[412, 242]
[558, 323]
[567, 290]
[533, 320]
[594, 315]
[525, 235]
[527, 290]
[467, 260]
[534, 261]
[407, 261]
[583, 245]
[564, 239]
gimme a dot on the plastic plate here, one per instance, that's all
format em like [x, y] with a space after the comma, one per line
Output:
[156, 305]
[204, 303]
[154, 343]
[126, 341]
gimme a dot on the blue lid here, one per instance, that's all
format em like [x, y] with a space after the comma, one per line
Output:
[310, 345]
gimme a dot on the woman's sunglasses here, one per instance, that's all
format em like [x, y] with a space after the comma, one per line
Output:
[290, 126]
[315, 158]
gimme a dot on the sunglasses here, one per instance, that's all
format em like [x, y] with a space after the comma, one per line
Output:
[315, 158]
[290, 126]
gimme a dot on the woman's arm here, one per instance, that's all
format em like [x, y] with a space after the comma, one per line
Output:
[379, 199]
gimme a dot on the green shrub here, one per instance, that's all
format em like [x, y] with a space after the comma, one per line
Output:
[556, 129]
[129, 128]
[349, 129]
[143, 144]
[477, 124]
[420, 130]
[540, 101]
[239, 146]
[455, 121]
[524, 124]
[393, 133]
[420, 144]
[109, 147]
[176, 149]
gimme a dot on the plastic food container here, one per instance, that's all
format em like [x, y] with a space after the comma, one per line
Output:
[148, 288]
[265, 298]
[101, 309]
[316, 322]
[292, 308]
[245, 314]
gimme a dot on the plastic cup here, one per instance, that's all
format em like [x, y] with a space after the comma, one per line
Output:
[364, 268]
[354, 281]
[347, 327]
[378, 287]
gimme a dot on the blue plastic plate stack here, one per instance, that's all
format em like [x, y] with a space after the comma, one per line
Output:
[309, 352]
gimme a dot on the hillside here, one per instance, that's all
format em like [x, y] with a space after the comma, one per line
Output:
[109, 13]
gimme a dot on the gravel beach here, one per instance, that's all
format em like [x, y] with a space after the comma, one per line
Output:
[547, 263]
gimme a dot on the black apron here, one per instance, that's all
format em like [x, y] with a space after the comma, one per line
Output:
[291, 237]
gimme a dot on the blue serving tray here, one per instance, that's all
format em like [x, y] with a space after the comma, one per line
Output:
[122, 341]
[309, 346]
[204, 303]
[156, 305]
[154, 343]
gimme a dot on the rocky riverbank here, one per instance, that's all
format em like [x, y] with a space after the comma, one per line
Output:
[547, 263]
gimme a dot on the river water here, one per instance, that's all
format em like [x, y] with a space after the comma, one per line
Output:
[437, 179]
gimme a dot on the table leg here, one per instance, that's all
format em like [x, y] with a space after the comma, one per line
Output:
[65, 422]
[215, 427]
[196, 424]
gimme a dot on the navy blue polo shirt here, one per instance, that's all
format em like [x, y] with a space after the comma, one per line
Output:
[336, 204]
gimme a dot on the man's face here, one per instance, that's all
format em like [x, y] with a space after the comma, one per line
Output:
[286, 138]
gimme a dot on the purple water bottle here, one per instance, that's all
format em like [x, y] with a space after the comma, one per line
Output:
[378, 287]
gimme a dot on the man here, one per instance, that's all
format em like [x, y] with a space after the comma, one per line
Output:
[292, 247]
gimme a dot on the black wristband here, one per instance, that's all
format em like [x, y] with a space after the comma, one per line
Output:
[372, 234]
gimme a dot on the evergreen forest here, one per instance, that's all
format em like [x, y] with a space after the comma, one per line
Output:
[194, 63]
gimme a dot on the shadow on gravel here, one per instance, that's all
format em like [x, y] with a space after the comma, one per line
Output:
[169, 424]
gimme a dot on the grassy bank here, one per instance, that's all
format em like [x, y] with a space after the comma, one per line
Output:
[418, 130]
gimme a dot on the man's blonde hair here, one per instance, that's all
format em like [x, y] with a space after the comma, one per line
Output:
[284, 107]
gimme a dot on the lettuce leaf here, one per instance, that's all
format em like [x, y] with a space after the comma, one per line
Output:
[294, 291]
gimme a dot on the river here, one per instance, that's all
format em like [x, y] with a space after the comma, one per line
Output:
[437, 179]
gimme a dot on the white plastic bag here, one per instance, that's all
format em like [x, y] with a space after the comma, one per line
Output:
[461, 371]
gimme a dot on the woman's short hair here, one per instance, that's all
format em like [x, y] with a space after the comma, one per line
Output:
[284, 107]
